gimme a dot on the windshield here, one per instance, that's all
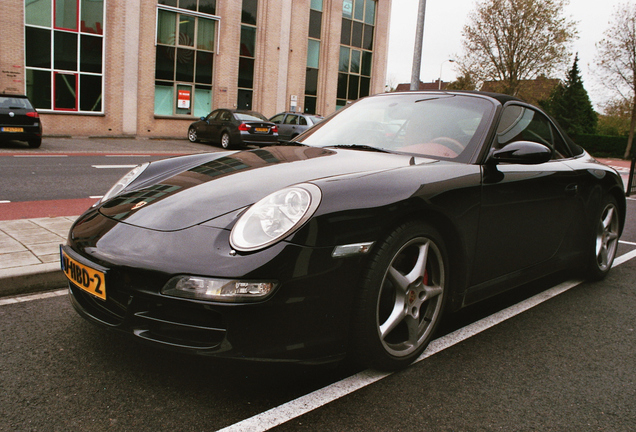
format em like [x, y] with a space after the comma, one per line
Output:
[436, 125]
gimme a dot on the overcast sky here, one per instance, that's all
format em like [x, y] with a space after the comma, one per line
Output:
[445, 20]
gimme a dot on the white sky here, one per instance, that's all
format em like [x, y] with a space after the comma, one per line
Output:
[445, 20]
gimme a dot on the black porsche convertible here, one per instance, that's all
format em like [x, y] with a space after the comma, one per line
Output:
[351, 240]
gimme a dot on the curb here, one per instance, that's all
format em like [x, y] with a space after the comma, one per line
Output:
[35, 278]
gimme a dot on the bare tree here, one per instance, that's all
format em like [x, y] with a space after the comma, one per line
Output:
[616, 58]
[514, 40]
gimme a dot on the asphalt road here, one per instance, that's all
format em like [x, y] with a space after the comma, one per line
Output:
[564, 365]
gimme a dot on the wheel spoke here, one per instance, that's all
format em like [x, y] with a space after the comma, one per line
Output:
[420, 266]
[398, 279]
[396, 317]
[431, 292]
[607, 222]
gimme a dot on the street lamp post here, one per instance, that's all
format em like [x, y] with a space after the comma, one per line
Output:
[440, 72]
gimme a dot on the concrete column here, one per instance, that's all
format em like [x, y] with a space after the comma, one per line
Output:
[283, 59]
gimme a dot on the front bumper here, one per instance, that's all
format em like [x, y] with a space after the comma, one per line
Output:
[305, 320]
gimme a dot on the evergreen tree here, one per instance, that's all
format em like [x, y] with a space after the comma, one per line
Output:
[570, 104]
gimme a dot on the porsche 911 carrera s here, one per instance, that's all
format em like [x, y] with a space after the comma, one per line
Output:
[350, 241]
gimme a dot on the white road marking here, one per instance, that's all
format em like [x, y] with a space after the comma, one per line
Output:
[113, 166]
[4, 202]
[28, 298]
[627, 243]
[40, 155]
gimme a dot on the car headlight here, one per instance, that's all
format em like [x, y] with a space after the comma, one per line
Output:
[275, 217]
[224, 290]
[124, 181]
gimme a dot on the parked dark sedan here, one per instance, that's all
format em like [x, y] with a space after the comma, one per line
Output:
[19, 120]
[352, 241]
[234, 128]
[290, 124]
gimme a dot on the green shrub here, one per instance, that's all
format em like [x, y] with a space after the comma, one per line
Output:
[601, 145]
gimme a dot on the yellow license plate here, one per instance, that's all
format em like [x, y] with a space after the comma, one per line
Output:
[261, 130]
[12, 129]
[90, 280]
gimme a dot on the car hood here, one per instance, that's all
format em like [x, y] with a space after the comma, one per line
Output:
[233, 181]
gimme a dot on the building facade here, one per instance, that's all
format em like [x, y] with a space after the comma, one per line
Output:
[149, 68]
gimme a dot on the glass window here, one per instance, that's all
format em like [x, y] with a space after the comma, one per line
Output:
[186, 30]
[92, 18]
[166, 27]
[65, 91]
[205, 35]
[202, 100]
[277, 118]
[90, 54]
[38, 47]
[248, 41]
[38, 12]
[207, 6]
[316, 5]
[347, 8]
[356, 50]
[311, 82]
[66, 14]
[65, 50]
[38, 87]
[163, 98]
[248, 15]
[184, 63]
[91, 96]
[66, 47]
[313, 53]
[315, 24]
[246, 72]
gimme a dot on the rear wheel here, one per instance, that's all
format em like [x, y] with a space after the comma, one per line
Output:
[402, 297]
[226, 143]
[605, 240]
[35, 142]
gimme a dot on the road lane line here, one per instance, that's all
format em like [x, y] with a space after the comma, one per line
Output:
[28, 298]
[311, 401]
[113, 166]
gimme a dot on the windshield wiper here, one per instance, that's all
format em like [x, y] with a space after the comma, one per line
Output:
[359, 147]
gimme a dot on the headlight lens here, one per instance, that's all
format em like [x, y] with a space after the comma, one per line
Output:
[275, 217]
[124, 181]
[224, 290]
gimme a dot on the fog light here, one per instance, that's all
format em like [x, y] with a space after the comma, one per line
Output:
[224, 290]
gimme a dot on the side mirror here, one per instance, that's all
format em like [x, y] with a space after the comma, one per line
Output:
[522, 152]
[202, 118]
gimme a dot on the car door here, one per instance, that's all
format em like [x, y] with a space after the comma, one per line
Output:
[205, 128]
[221, 123]
[288, 127]
[527, 210]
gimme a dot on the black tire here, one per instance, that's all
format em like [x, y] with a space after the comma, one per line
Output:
[192, 135]
[35, 143]
[226, 142]
[402, 297]
[604, 240]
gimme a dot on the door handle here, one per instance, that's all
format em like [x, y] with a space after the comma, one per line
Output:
[572, 189]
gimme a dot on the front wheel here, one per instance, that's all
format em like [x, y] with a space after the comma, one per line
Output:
[402, 297]
[605, 240]
[192, 135]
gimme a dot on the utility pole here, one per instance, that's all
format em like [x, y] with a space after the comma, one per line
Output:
[417, 51]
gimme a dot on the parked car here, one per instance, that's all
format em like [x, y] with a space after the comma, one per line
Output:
[350, 241]
[290, 125]
[19, 120]
[234, 128]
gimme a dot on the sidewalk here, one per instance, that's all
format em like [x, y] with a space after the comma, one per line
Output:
[29, 248]
[30, 254]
